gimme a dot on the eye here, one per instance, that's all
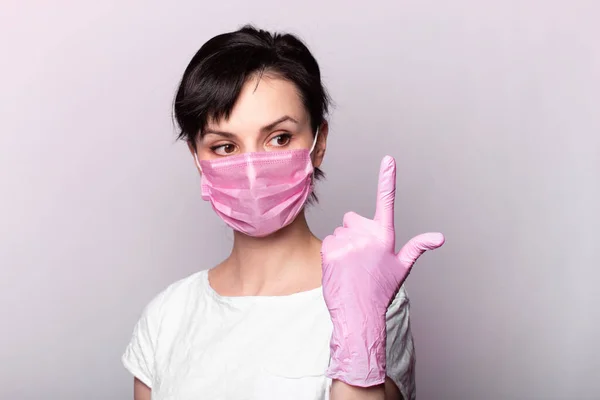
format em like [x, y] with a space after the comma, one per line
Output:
[280, 140]
[223, 149]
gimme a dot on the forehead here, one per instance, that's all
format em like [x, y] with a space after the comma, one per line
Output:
[262, 101]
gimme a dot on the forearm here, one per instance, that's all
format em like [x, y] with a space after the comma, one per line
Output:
[343, 391]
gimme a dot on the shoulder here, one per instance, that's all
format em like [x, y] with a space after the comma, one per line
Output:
[398, 322]
[400, 346]
[177, 294]
[399, 307]
[158, 324]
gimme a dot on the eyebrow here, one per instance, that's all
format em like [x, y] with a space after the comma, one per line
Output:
[272, 125]
[265, 128]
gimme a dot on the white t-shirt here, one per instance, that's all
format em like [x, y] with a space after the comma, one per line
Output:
[192, 343]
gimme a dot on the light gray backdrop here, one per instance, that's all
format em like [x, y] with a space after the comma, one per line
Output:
[490, 107]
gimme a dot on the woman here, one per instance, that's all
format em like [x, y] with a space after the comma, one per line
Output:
[285, 316]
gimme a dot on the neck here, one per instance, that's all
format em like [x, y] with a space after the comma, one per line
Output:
[268, 264]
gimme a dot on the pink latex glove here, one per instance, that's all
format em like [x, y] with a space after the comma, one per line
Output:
[361, 276]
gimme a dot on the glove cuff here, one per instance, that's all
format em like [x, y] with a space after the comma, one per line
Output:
[358, 354]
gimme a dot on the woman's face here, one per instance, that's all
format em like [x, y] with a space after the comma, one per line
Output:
[268, 116]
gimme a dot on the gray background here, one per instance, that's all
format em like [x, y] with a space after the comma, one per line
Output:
[490, 107]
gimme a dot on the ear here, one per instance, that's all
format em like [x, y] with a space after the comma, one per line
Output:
[321, 145]
[194, 153]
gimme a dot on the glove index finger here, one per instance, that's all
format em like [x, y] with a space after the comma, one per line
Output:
[386, 192]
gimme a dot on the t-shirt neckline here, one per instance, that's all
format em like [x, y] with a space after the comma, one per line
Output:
[248, 300]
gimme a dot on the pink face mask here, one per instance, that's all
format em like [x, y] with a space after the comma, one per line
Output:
[258, 193]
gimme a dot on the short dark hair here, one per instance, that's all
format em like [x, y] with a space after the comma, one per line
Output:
[213, 80]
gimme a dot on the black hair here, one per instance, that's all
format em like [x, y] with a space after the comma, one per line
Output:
[214, 78]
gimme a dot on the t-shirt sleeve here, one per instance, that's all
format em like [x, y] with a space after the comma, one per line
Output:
[139, 356]
[400, 348]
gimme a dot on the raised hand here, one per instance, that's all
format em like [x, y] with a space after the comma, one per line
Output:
[361, 275]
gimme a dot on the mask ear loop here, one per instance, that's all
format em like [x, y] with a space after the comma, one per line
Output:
[197, 161]
[314, 142]
[312, 176]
